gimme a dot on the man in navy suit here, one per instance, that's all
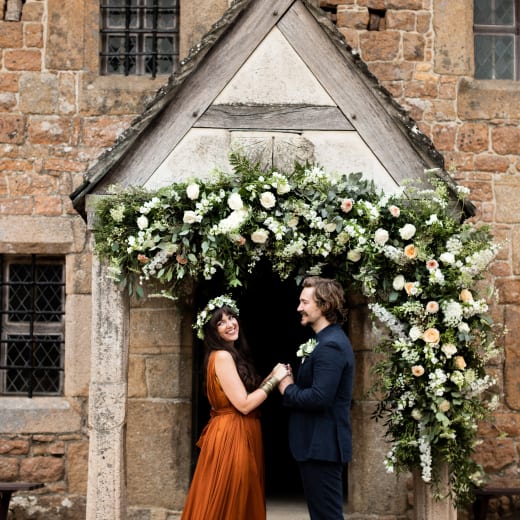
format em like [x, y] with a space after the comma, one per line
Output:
[320, 437]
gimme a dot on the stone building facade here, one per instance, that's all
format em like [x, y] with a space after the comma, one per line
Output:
[58, 114]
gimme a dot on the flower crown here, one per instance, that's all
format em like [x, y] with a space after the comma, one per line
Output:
[205, 314]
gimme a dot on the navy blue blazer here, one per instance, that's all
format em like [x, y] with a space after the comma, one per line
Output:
[319, 420]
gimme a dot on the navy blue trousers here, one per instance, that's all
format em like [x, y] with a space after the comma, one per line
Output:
[323, 488]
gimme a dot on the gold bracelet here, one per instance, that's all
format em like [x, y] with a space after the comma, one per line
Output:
[268, 386]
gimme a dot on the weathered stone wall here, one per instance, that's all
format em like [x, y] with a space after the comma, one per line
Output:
[57, 115]
[421, 51]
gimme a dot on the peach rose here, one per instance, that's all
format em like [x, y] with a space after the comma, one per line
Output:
[432, 307]
[466, 296]
[346, 205]
[459, 362]
[431, 335]
[410, 251]
[417, 370]
[394, 211]
[410, 288]
[432, 264]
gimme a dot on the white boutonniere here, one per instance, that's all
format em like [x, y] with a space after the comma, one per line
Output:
[305, 349]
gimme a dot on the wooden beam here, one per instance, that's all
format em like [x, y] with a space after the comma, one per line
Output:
[274, 117]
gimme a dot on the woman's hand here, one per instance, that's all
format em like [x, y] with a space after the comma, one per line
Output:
[280, 371]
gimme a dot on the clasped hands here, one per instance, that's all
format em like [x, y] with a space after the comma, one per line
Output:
[283, 373]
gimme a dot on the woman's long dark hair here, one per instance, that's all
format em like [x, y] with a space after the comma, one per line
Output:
[240, 350]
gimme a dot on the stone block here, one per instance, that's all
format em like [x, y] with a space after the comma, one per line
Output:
[65, 47]
[32, 506]
[137, 377]
[78, 326]
[516, 249]
[506, 140]
[11, 35]
[12, 129]
[32, 11]
[9, 467]
[507, 194]
[23, 60]
[496, 454]
[34, 35]
[452, 25]
[159, 438]
[152, 330]
[48, 130]
[372, 491]
[42, 235]
[42, 469]
[77, 466]
[14, 447]
[487, 100]
[38, 93]
[192, 25]
[169, 375]
[379, 46]
[39, 414]
[79, 274]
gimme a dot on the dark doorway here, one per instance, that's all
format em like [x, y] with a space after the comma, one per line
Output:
[272, 326]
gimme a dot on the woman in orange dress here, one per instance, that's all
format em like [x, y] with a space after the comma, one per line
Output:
[228, 483]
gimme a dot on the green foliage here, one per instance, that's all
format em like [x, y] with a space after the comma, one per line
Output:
[410, 253]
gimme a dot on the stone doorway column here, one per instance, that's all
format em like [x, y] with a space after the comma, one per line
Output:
[106, 492]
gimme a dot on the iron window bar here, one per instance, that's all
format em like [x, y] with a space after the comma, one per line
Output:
[31, 339]
[135, 33]
[500, 30]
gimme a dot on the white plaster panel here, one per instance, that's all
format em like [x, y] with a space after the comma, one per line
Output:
[346, 152]
[274, 73]
[197, 155]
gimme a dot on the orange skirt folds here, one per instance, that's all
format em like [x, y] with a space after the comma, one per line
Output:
[228, 483]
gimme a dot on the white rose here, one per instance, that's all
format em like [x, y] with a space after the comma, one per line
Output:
[235, 202]
[233, 221]
[354, 255]
[449, 349]
[330, 227]
[259, 236]
[415, 333]
[267, 199]
[407, 231]
[142, 222]
[190, 217]
[283, 188]
[417, 414]
[398, 283]
[447, 258]
[192, 191]
[381, 236]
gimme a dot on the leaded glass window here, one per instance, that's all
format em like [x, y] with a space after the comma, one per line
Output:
[497, 39]
[139, 37]
[32, 309]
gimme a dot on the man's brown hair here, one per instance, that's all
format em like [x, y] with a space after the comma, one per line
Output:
[329, 296]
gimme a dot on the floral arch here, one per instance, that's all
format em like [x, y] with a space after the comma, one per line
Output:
[411, 253]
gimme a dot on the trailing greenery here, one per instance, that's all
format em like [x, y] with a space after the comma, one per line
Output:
[410, 253]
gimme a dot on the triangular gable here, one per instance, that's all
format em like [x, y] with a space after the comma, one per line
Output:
[206, 102]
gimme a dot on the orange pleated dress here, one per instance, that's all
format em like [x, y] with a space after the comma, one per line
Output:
[228, 483]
